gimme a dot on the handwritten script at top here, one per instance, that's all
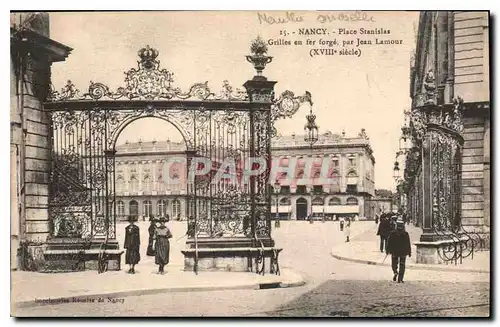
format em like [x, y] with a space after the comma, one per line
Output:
[290, 17]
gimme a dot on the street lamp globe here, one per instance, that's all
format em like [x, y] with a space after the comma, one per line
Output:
[396, 171]
[311, 129]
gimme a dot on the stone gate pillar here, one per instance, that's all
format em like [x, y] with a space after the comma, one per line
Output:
[32, 53]
[437, 131]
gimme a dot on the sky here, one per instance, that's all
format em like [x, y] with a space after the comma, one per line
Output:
[349, 92]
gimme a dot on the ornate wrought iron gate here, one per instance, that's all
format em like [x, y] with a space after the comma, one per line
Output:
[225, 129]
[433, 171]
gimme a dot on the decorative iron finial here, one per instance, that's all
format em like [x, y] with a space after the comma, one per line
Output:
[258, 57]
[148, 57]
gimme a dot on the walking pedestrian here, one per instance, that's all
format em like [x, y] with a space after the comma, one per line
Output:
[132, 245]
[399, 246]
[384, 229]
[347, 231]
[151, 230]
[341, 223]
[162, 244]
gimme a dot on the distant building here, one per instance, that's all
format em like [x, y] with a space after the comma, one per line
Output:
[351, 168]
[143, 190]
[141, 187]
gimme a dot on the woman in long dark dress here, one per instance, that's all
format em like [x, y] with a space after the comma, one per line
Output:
[151, 230]
[132, 244]
[162, 245]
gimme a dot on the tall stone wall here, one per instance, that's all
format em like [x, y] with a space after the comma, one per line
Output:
[32, 54]
[473, 174]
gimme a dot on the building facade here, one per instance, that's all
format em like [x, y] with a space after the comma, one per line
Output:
[143, 190]
[454, 48]
[450, 123]
[350, 167]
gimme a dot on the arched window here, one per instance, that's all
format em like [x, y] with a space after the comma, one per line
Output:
[148, 208]
[134, 184]
[300, 173]
[334, 202]
[147, 184]
[162, 208]
[285, 202]
[284, 162]
[133, 208]
[352, 201]
[334, 174]
[120, 208]
[317, 174]
[352, 173]
[176, 208]
[317, 201]
[301, 162]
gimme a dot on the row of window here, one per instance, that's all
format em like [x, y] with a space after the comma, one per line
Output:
[285, 161]
[302, 189]
[317, 174]
[147, 208]
[318, 201]
[146, 186]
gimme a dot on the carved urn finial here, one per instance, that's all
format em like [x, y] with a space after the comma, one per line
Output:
[259, 59]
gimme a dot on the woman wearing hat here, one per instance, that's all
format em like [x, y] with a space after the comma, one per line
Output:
[151, 230]
[132, 244]
[162, 244]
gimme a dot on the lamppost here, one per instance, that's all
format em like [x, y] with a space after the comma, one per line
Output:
[311, 137]
[397, 178]
[277, 188]
[405, 145]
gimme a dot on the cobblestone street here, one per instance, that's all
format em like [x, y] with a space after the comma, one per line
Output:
[334, 287]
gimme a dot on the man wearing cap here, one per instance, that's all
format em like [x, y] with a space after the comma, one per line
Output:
[399, 246]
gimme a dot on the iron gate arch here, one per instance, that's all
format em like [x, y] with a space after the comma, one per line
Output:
[233, 125]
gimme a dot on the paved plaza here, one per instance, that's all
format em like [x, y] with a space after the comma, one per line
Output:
[332, 287]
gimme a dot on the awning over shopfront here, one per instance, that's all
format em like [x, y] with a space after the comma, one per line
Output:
[281, 209]
[341, 209]
[318, 209]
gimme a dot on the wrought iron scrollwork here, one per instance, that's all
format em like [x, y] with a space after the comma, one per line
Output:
[146, 82]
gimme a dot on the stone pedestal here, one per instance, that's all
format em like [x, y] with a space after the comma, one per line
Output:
[427, 253]
[432, 252]
[67, 255]
[229, 254]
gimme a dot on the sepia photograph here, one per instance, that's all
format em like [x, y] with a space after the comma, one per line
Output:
[273, 164]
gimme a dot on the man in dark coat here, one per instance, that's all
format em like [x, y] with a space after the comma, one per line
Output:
[399, 246]
[384, 229]
[132, 244]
